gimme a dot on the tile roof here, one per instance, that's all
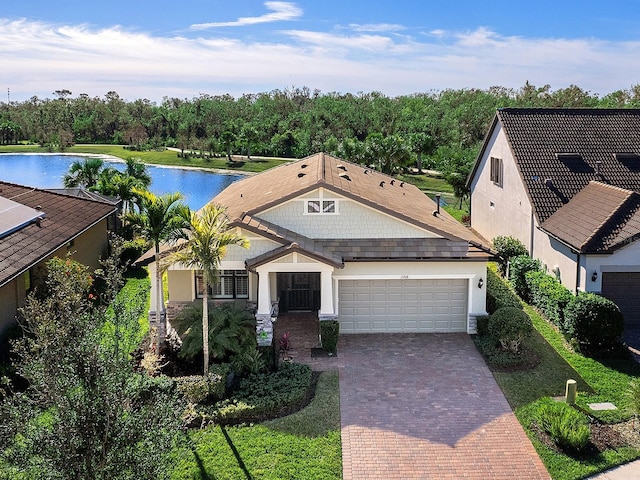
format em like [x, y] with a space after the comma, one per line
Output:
[594, 136]
[399, 199]
[598, 219]
[65, 218]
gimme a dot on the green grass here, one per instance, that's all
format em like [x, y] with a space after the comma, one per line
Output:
[303, 445]
[428, 184]
[598, 381]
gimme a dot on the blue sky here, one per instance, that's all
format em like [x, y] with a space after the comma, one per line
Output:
[153, 49]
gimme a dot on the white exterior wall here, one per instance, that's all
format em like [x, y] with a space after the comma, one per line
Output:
[627, 259]
[556, 255]
[257, 246]
[353, 220]
[473, 271]
[500, 210]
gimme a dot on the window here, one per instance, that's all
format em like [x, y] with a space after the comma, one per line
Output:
[496, 171]
[321, 206]
[229, 284]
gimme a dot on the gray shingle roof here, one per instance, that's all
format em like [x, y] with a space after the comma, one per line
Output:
[65, 218]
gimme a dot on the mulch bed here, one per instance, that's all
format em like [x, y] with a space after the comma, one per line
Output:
[603, 437]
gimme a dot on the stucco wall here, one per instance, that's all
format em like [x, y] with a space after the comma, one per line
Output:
[90, 246]
[555, 255]
[181, 286]
[353, 220]
[500, 210]
[8, 304]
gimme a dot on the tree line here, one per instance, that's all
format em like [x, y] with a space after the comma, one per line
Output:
[439, 129]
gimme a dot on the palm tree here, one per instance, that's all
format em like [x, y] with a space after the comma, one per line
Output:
[83, 173]
[207, 239]
[138, 170]
[160, 219]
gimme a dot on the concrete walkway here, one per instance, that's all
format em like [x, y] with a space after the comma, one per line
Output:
[425, 407]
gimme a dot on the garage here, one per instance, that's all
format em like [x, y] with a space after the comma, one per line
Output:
[403, 305]
[623, 288]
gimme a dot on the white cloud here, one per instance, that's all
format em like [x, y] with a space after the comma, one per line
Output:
[281, 11]
[376, 27]
[38, 58]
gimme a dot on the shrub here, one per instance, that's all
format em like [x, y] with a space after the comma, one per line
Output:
[499, 294]
[520, 265]
[594, 323]
[249, 361]
[482, 325]
[548, 295]
[329, 331]
[265, 395]
[507, 248]
[568, 428]
[510, 325]
[200, 389]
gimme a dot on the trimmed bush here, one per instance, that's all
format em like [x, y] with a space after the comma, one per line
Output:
[199, 389]
[510, 325]
[520, 265]
[507, 248]
[595, 324]
[548, 295]
[265, 396]
[329, 331]
[567, 427]
[499, 294]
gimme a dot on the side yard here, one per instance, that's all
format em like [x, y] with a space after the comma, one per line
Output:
[615, 437]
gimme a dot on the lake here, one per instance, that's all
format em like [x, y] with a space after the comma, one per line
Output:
[47, 171]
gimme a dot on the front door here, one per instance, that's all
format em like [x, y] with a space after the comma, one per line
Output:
[299, 291]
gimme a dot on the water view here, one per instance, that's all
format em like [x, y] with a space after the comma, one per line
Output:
[47, 171]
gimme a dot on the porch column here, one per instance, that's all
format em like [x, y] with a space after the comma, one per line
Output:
[326, 295]
[264, 326]
[264, 293]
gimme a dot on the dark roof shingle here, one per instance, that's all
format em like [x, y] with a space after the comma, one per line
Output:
[65, 218]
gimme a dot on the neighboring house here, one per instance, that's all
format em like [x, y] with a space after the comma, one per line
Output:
[349, 243]
[566, 182]
[36, 225]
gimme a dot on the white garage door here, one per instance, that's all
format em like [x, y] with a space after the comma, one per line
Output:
[369, 306]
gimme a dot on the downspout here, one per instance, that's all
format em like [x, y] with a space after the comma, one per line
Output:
[532, 235]
[578, 272]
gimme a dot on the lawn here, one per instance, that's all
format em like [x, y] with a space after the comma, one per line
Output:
[598, 381]
[305, 444]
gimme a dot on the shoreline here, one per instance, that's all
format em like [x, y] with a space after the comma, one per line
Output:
[114, 159]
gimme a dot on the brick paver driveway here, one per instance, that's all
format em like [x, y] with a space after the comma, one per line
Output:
[426, 406]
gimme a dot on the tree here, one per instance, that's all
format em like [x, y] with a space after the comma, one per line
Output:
[138, 170]
[227, 138]
[83, 173]
[159, 219]
[420, 143]
[207, 238]
[86, 413]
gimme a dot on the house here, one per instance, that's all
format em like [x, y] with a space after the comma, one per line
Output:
[349, 243]
[36, 225]
[566, 182]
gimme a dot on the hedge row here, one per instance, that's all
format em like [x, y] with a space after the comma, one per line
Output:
[548, 295]
[499, 295]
